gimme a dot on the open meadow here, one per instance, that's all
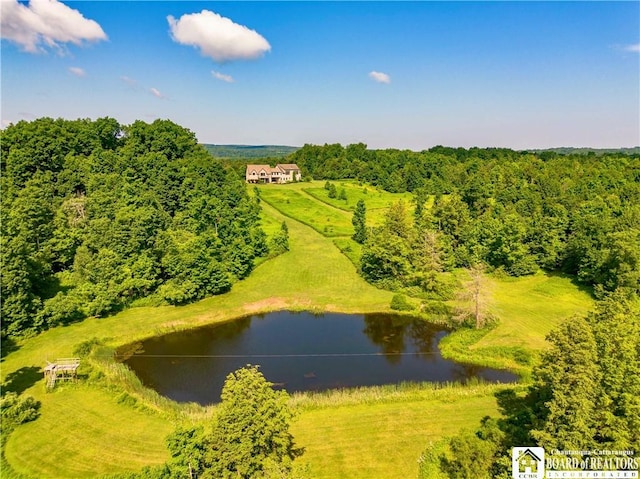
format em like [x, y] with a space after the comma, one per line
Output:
[85, 428]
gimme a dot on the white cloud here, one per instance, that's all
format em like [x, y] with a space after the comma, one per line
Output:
[380, 77]
[218, 37]
[46, 23]
[222, 76]
[77, 71]
[155, 92]
[129, 81]
[632, 48]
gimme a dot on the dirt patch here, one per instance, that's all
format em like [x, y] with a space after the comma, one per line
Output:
[269, 304]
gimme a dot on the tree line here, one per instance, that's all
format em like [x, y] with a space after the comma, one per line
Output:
[515, 211]
[96, 215]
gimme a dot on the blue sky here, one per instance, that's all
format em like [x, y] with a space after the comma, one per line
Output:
[389, 74]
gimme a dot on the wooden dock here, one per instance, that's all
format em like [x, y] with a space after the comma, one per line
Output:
[65, 369]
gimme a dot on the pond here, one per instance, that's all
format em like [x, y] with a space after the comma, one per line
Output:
[300, 352]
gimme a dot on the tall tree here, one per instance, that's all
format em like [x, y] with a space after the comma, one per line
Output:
[616, 328]
[359, 221]
[251, 433]
[387, 251]
[567, 384]
[429, 256]
[473, 298]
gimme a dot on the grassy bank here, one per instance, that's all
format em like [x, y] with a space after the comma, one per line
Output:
[527, 309]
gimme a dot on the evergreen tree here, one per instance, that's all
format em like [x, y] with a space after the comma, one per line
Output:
[428, 260]
[473, 298]
[567, 385]
[359, 221]
[387, 251]
[280, 241]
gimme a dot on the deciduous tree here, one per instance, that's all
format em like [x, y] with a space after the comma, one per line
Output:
[251, 433]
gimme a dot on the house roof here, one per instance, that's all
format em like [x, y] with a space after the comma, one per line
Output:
[268, 169]
[289, 166]
[257, 168]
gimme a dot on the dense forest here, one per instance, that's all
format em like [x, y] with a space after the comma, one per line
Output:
[514, 211]
[96, 215]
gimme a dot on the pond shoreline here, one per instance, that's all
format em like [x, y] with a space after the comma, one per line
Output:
[300, 351]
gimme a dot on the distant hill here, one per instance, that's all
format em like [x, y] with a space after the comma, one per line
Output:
[249, 151]
[583, 151]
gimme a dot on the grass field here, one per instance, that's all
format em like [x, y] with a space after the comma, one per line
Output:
[310, 204]
[529, 307]
[326, 220]
[384, 438]
[376, 201]
[83, 430]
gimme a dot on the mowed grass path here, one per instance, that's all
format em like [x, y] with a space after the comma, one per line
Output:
[294, 203]
[377, 201]
[310, 204]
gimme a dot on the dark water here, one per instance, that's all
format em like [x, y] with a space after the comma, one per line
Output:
[300, 352]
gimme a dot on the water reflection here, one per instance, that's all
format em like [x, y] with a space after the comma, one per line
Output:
[299, 352]
[392, 332]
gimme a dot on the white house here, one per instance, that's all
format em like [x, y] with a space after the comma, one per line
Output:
[281, 173]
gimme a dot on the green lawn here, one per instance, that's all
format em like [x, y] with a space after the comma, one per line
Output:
[376, 200]
[530, 307]
[527, 309]
[326, 220]
[310, 204]
[84, 431]
[384, 440]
